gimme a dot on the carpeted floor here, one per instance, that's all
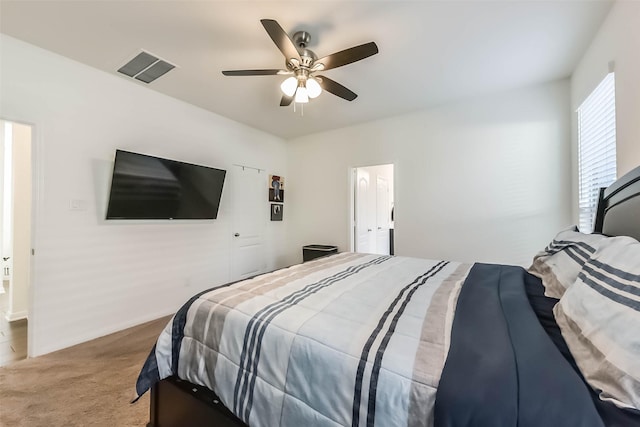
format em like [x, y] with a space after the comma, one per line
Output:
[90, 384]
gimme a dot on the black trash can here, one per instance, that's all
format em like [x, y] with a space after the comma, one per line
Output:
[310, 252]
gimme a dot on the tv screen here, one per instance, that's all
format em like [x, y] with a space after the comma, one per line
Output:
[147, 187]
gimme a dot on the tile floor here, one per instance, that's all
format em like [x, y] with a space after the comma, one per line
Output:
[13, 335]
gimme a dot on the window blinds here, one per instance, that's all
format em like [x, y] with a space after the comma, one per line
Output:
[596, 148]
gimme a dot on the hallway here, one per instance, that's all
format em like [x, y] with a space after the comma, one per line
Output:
[13, 335]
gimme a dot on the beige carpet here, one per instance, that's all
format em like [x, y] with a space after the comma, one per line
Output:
[90, 384]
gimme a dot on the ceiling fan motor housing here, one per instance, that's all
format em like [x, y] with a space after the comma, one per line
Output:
[301, 38]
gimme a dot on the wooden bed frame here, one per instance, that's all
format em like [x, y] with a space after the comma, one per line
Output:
[619, 207]
[178, 403]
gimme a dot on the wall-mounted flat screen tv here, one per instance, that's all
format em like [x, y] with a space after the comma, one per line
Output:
[147, 187]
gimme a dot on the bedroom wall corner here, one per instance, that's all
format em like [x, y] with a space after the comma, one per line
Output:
[92, 276]
[485, 179]
[615, 46]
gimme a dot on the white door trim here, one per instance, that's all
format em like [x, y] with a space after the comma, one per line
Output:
[37, 186]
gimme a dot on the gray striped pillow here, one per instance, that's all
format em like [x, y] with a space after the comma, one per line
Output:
[560, 262]
[599, 316]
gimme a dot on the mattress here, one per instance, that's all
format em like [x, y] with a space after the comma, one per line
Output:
[357, 339]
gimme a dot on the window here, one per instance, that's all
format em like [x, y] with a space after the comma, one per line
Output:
[596, 148]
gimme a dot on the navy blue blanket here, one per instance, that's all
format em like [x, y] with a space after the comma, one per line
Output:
[502, 368]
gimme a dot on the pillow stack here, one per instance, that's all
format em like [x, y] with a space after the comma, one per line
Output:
[599, 316]
[559, 264]
[597, 280]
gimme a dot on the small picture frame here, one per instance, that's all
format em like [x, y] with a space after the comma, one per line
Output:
[276, 188]
[276, 212]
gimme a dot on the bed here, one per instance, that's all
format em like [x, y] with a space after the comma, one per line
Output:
[370, 340]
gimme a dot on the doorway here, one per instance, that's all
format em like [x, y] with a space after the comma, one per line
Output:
[373, 205]
[15, 236]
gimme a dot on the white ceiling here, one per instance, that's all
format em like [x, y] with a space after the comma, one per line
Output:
[431, 52]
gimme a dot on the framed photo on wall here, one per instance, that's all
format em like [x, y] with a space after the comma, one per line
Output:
[276, 212]
[276, 188]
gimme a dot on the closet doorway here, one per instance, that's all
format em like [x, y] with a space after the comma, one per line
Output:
[373, 205]
[15, 238]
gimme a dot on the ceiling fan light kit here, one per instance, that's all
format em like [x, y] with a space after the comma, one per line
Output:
[313, 87]
[289, 86]
[302, 97]
[302, 64]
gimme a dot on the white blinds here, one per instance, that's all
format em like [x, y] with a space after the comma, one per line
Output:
[596, 148]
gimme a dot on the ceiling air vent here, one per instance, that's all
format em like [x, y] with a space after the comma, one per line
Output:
[146, 67]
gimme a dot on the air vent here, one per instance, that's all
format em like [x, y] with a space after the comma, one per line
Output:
[146, 67]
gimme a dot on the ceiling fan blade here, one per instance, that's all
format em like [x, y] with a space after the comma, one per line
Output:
[281, 39]
[347, 56]
[286, 100]
[254, 72]
[336, 88]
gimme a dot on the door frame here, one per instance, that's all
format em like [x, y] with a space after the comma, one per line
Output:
[37, 181]
[353, 182]
[352, 176]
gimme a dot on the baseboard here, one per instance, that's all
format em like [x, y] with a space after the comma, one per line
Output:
[18, 315]
[99, 333]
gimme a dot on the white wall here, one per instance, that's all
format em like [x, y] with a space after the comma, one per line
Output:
[486, 179]
[93, 276]
[617, 41]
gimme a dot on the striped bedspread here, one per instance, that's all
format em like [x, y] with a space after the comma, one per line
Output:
[346, 340]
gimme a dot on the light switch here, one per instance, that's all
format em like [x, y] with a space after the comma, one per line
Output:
[77, 205]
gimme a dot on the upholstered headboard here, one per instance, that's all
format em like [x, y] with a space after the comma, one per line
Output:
[619, 207]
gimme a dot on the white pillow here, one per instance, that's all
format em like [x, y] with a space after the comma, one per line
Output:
[599, 316]
[559, 263]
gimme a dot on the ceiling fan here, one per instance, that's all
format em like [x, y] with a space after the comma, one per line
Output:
[303, 66]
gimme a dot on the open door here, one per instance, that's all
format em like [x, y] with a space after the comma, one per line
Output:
[363, 214]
